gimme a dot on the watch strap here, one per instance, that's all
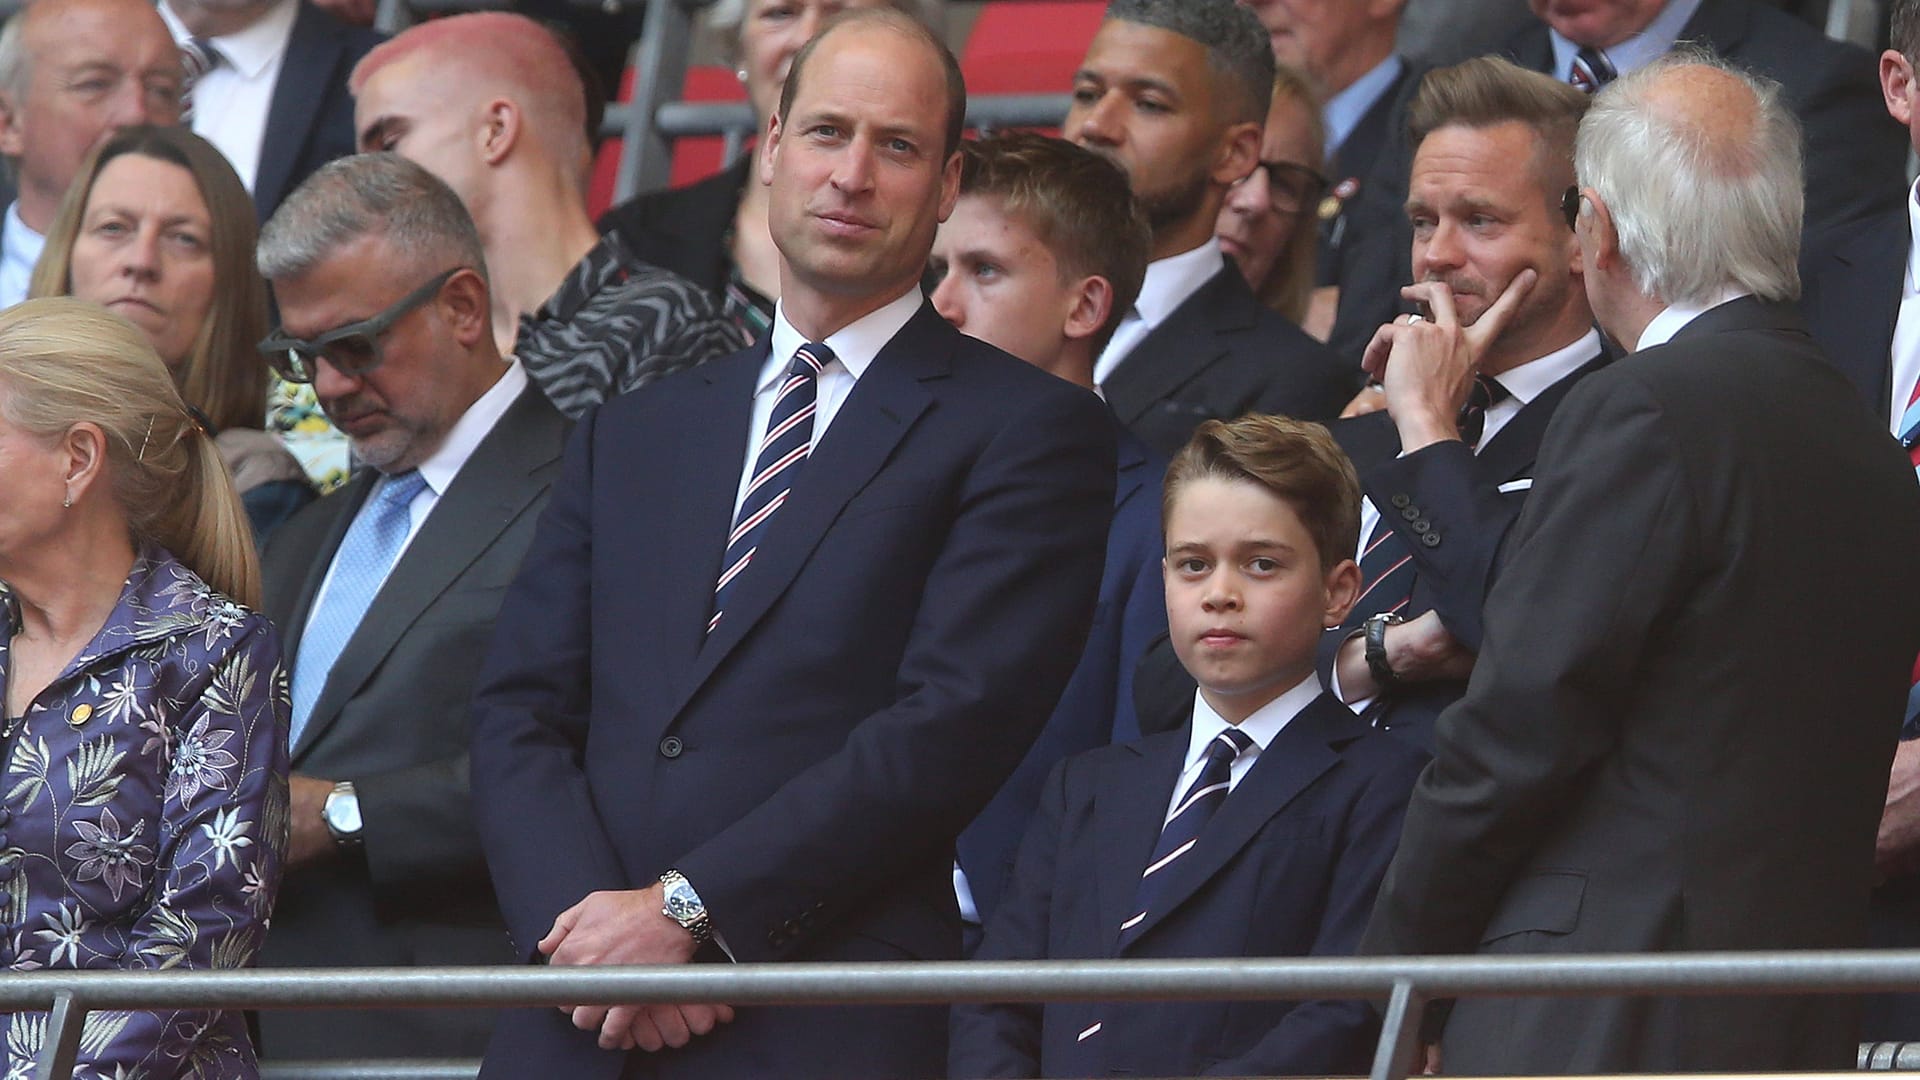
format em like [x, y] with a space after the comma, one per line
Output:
[1377, 664]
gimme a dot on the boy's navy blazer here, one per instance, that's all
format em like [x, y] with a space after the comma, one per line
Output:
[1287, 867]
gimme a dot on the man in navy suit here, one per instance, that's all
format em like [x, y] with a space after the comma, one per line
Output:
[1493, 155]
[1260, 828]
[791, 619]
[1043, 251]
[273, 97]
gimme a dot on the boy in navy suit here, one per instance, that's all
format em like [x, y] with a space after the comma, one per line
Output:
[1260, 828]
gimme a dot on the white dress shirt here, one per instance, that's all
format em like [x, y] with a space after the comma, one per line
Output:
[1635, 52]
[1523, 383]
[19, 250]
[854, 347]
[444, 464]
[1906, 330]
[231, 101]
[1265, 723]
[1676, 317]
[1169, 282]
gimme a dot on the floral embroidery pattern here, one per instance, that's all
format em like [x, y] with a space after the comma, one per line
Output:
[143, 818]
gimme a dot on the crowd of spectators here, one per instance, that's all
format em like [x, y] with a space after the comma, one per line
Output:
[1325, 499]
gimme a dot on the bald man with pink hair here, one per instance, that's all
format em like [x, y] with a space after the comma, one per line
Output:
[492, 105]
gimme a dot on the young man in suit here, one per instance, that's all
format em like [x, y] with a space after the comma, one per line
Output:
[1855, 159]
[1044, 249]
[1176, 92]
[1446, 466]
[490, 103]
[792, 617]
[386, 590]
[273, 93]
[1259, 828]
[1657, 751]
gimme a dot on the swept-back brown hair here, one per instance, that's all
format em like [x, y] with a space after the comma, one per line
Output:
[1077, 203]
[223, 375]
[1488, 91]
[1296, 460]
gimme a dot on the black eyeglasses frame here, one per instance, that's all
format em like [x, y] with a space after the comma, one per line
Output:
[297, 359]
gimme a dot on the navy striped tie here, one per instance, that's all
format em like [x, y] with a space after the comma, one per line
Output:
[784, 449]
[1182, 829]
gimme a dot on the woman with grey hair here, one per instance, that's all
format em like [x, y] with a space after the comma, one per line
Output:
[714, 232]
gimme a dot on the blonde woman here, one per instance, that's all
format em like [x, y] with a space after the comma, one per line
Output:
[1268, 224]
[143, 809]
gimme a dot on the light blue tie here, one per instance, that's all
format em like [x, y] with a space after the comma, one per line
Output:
[372, 543]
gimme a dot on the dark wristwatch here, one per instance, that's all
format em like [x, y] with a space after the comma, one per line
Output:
[1376, 630]
[683, 906]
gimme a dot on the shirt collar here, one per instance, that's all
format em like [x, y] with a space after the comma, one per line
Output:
[1676, 316]
[854, 345]
[1913, 253]
[18, 241]
[1265, 723]
[251, 49]
[1343, 110]
[445, 463]
[1171, 280]
[1528, 380]
[1635, 52]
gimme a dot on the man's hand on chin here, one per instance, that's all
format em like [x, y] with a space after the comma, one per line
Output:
[629, 927]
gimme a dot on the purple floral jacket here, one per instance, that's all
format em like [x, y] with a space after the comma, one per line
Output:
[143, 817]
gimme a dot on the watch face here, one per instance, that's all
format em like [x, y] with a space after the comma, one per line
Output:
[681, 907]
[344, 815]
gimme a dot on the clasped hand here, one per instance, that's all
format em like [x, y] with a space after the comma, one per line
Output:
[629, 927]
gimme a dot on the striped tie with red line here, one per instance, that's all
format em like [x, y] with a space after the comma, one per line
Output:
[1182, 830]
[1910, 438]
[783, 451]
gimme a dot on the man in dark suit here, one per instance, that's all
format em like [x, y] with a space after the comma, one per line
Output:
[273, 97]
[1493, 155]
[1348, 49]
[1259, 828]
[1044, 249]
[739, 710]
[1176, 92]
[1863, 307]
[386, 591]
[1650, 617]
[1855, 159]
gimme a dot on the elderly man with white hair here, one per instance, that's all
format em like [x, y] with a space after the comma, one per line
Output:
[1696, 658]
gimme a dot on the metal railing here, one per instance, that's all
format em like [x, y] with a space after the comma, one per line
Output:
[1407, 983]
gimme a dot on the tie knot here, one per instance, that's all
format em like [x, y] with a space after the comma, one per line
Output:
[1229, 744]
[401, 488]
[1591, 69]
[1487, 392]
[810, 360]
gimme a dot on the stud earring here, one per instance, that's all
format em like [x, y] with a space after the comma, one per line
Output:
[67, 502]
[741, 74]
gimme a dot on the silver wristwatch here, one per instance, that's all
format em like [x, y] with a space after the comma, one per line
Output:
[684, 907]
[341, 813]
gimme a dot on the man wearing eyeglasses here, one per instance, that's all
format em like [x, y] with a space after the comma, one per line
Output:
[1176, 93]
[386, 591]
[1449, 461]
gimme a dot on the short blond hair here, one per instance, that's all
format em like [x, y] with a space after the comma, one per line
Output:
[64, 362]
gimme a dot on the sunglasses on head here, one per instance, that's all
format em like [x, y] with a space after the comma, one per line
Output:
[353, 349]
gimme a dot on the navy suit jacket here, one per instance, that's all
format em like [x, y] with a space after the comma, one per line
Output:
[1097, 707]
[1366, 247]
[1447, 505]
[914, 611]
[1856, 155]
[1221, 355]
[1850, 293]
[310, 120]
[1287, 867]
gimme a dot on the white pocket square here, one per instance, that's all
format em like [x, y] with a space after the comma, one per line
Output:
[1521, 484]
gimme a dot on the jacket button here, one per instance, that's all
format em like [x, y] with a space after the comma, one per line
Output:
[670, 747]
[1431, 539]
[1410, 513]
[1422, 526]
[1400, 501]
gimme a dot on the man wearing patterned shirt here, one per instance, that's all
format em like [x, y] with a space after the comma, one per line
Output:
[490, 104]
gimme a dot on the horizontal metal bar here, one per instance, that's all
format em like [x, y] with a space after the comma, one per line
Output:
[385, 1069]
[678, 119]
[934, 983]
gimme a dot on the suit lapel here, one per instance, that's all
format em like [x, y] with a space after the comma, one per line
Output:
[1181, 347]
[877, 414]
[493, 487]
[312, 54]
[1511, 452]
[1130, 806]
[711, 449]
[1298, 755]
